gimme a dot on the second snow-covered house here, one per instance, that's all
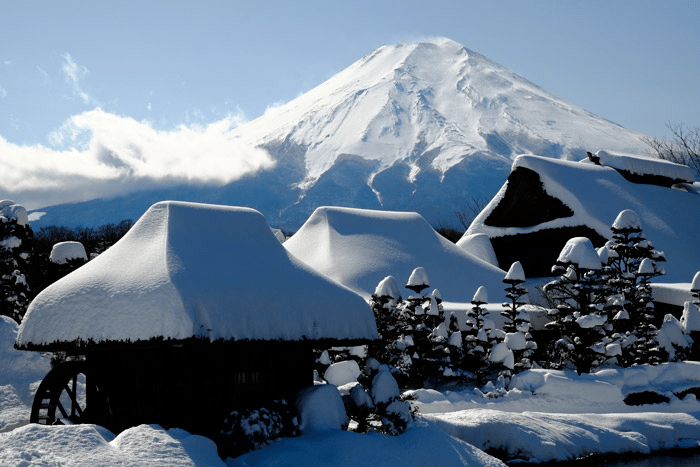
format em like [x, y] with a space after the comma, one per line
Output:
[545, 202]
[196, 311]
[360, 247]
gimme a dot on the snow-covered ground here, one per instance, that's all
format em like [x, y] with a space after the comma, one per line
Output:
[547, 415]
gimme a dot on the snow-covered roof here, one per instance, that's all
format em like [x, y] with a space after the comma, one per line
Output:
[360, 247]
[670, 218]
[640, 165]
[188, 270]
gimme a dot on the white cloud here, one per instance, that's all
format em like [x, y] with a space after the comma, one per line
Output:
[73, 73]
[99, 154]
[3, 92]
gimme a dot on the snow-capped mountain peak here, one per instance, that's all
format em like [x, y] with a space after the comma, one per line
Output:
[426, 127]
[403, 101]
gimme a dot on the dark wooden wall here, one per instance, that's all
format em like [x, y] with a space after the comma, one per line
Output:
[193, 386]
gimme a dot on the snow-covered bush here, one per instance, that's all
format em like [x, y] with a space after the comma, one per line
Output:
[375, 403]
[320, 408]
[65, 257]
[673, 341]
[250, 429]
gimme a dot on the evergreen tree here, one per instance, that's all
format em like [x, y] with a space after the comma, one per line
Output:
[16, 251]
[479, 338]
[578, 318]
[631, 263]
[427, 330]
[517, 321]
[390, 322]
[413, 333]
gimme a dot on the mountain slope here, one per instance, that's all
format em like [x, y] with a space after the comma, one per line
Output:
[424, 127]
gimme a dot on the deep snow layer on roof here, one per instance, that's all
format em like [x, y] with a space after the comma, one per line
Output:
[192, 270]
[359, 248]
[640, 165]
[670, 217]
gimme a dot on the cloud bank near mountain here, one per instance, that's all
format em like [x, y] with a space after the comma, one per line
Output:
[97, 154]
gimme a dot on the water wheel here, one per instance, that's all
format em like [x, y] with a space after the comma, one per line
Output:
[61, 398]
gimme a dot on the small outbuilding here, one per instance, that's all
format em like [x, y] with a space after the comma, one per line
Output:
[198, 310]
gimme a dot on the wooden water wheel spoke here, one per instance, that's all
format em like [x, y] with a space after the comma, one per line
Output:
[62, 409]
[72, 392]
[61, 396]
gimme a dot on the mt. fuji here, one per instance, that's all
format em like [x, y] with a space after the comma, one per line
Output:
[424, 127]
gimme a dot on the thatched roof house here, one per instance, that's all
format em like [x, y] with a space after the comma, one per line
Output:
[547, 201]
[197, 310]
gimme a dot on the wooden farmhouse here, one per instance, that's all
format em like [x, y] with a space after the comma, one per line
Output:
[196, 311]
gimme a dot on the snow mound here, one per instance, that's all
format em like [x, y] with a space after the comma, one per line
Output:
[92, 445]
[65, 251]
[194, 270]
[321, 408]
[341, 373]
[359, 248]
[549, 415]
[422, 445]
[671, 337]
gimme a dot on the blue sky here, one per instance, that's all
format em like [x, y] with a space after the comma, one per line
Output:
[173, 64]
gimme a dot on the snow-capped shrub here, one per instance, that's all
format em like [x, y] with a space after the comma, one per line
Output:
[321, 408]
[384, 388]
[672, 339]
[250, 429]
[375, 403]
[63, 252]
[341, 373]
[690, 320]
